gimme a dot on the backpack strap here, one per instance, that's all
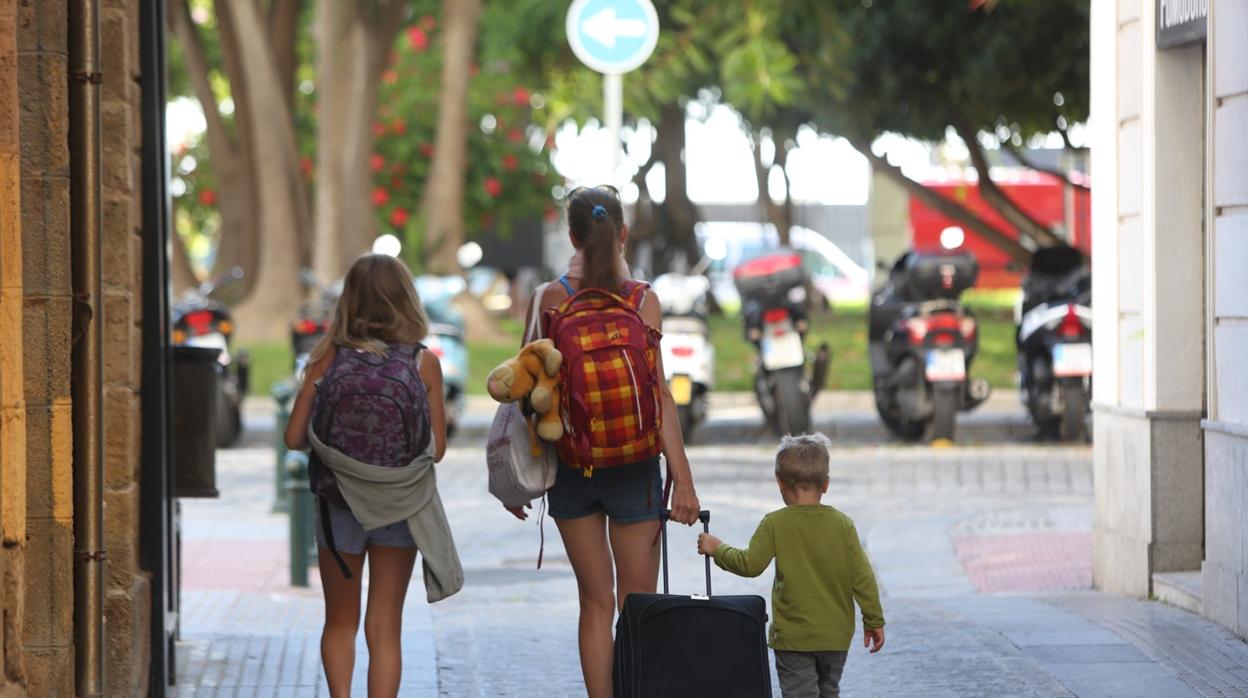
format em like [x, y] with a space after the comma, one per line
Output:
[636, 293]
[327, 528]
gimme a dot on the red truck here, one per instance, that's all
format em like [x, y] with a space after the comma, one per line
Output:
[1048, 199]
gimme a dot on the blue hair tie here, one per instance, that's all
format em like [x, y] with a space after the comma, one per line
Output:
[599, 212]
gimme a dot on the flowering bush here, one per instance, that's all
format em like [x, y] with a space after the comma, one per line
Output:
[509, 175]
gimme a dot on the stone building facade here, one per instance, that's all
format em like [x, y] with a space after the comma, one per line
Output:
[37, 334]
[1170, 165]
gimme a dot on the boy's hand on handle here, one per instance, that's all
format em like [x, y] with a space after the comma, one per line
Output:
[685, 507]
[708, 543]
[519, 512]
[873, 638]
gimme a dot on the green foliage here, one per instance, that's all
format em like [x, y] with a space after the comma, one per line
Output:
[915, 67]
[509, 176]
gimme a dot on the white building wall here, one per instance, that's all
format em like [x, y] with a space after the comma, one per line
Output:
[1226, 431]
[1148, 275]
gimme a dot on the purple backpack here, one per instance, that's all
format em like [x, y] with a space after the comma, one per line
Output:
[373, 408]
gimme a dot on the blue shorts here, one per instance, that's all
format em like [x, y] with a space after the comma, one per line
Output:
[350, 537]
[626, 493]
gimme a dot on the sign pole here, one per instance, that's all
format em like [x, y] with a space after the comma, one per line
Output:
[613, 113]
[612, 37]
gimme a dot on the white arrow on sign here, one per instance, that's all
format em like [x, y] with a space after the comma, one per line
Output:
[604, 27]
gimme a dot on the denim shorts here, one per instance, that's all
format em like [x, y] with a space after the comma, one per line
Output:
[350, 537]
[625, 493]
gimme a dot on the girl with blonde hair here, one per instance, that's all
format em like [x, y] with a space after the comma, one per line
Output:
[371, 407]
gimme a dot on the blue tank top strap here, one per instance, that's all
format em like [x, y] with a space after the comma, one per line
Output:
[567, 286]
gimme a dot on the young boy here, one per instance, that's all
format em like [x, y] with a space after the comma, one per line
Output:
[821, 570]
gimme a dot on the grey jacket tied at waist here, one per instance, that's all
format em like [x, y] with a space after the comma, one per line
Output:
[380, 496]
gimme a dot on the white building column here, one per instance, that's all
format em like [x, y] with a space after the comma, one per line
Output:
[1148, 298]
[1225, 570]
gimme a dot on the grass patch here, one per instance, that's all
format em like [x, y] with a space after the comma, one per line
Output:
[844, 329]
[270, 362]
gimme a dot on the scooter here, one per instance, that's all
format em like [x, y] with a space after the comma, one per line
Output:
[1054, 337]
[922, 342]
[446, 339]
[199, 319]
[312, 322]
[688, 355]
[773, 306]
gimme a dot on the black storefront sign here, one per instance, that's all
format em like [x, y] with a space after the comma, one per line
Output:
[1181, 22]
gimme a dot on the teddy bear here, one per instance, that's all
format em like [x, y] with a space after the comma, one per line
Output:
[533, 373]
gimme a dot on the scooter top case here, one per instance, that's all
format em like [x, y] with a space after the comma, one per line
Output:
[768, 278]
[683, 646]
[934, 274]
[1057, 273]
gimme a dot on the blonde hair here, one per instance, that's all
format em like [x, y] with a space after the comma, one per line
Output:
[803, 460]
[378, 305]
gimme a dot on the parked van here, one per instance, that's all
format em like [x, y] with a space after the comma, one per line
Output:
[836, 277]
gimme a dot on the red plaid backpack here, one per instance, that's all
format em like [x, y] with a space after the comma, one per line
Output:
[610, 398]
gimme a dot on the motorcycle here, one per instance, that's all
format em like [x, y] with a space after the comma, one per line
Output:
[446, 339]
[773, 306]
[922, 342]
[199, 319]
[688, 355]
[312, 322]
[1054, 338]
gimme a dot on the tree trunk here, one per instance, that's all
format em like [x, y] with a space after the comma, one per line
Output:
[444, 193]
[1025, 160]
[375, 40]
[279, 187]
[990, 233]
[181, 276]
[353, 42]
[335, 55]
[236, 243]
[778, 214]
[677, 216]
[284, 29]
[995, 197]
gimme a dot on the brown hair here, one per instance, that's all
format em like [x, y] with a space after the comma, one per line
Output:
[597, 232]
[378, 305]
[802, 461]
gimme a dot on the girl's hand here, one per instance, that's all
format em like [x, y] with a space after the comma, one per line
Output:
[685, 506]
[519, 512]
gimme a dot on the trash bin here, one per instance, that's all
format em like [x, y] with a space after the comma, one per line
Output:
[196, 374]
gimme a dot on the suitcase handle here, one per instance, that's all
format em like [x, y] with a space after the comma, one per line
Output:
[705, 517]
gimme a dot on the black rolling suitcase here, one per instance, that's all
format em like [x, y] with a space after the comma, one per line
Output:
[691, 646]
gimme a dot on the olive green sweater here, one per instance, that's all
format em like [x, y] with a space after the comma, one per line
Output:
[821, 570]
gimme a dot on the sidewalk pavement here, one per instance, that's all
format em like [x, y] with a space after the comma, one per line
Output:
[244, 630]
[983, 555]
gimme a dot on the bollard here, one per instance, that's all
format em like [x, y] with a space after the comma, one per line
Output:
[282, 393]
[302, 525]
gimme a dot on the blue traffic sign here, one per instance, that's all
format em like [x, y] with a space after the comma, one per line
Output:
[613, 36]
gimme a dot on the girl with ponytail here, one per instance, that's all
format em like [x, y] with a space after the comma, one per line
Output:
[620, 503]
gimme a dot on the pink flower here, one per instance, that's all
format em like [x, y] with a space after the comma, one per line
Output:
[516, 136]
[510, 161]
[398, 217]
[417, 39]
[521, 97]
[493, 187]
[380, 196]
[208, 197]
[377, 162]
